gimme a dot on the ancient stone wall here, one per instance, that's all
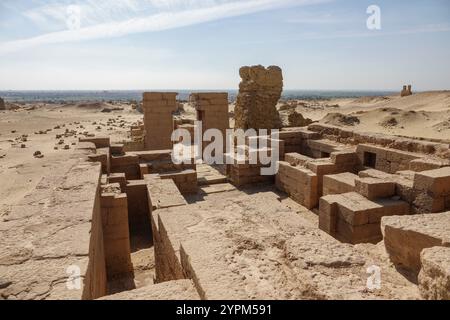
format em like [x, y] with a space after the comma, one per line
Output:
[299, 183]
[116, 235]
[435, 148]
[158, 120]
[259, 92]
[212, 111]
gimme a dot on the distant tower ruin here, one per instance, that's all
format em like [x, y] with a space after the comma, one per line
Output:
[407, 91]
[259, 92]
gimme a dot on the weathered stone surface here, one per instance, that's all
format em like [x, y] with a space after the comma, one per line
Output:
[434, 277]
[2, 104]
[158, 121]
[259, 93]
[163, 193]
[406, 236]
[235, 248]
[373, 188]
[339, 183]
[56, 226]
[171, 290]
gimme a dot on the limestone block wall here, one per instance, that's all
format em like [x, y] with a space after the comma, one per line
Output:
[100, 142]
[158, 120]
[186, 180]
[128, 164]
[138, 207]
[212, 110]
[295, 176]
[435, 148]
[352, 218]
[299, 183]
[244, 173]
[385, 159]
[164, 194]
[432, 190]
[95, 282]
[116, 235]
[405, 237]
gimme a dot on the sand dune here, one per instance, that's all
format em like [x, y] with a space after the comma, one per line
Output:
[425, 115]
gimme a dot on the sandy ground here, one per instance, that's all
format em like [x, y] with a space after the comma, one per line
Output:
[423, 115]
[20, 138]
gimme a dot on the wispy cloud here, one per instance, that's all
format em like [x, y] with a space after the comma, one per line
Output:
[108, 19]
[430, 28]
[316, 19]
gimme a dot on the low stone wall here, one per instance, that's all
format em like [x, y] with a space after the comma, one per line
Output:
[352, 218]
[116, 235]
[67, 240]
[385, 159]
[299, 183]
[138, 207]
[405, 238]
[440, 149]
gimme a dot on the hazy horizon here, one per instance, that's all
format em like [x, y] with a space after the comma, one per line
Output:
[200, 45]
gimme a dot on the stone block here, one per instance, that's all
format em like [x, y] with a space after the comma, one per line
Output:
[406, 236]
[100, 142]
[435, 182]
[339, 183]
[373, 188]
[434, 276]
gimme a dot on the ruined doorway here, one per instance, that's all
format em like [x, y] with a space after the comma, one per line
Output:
[370, 159]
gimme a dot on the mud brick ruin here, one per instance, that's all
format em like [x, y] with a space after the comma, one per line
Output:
[228, 232]
[406, 91]
[259, 92]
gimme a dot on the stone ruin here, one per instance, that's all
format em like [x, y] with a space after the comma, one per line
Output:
[259, 92]
[227, 232]
[406, 91]
[2, 104]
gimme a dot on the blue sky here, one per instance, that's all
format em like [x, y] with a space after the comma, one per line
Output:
[200, 44]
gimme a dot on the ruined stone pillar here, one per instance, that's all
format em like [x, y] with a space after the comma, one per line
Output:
[259, 92]
[158, 121]
[2, 104]
[406, 91]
